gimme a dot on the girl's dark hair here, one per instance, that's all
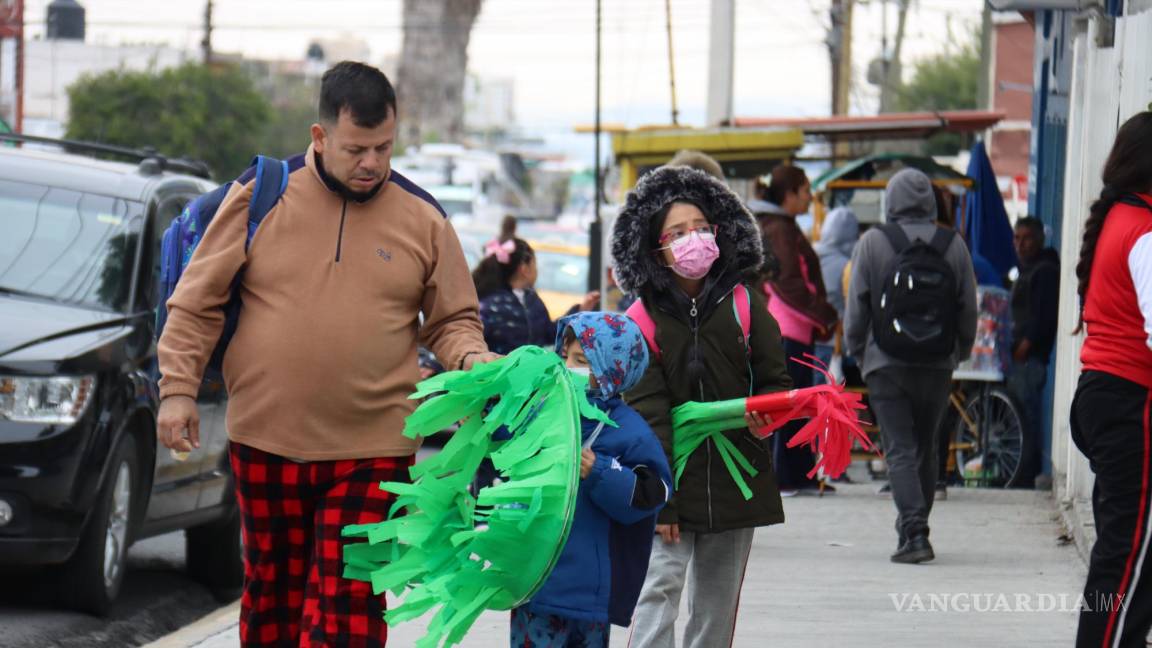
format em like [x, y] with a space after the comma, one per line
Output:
[1127, 170]
[785, 178]
[492, 276]
[656, 225]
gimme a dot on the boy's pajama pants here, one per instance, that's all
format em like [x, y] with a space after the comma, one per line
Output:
[291, 515]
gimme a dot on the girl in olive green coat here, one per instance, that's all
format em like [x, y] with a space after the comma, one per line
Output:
[683, 243]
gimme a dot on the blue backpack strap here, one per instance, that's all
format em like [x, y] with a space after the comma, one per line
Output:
[271, 182]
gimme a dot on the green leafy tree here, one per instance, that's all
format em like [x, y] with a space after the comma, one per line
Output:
[294, 110]
[214, 114]
[949, 80]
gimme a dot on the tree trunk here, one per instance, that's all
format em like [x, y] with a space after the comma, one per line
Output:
[433, 64]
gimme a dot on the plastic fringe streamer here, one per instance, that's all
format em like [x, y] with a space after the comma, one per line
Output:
[833, 427]
[442, 549]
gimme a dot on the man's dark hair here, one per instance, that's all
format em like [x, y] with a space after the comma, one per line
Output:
[1034, 224]
[360, 89]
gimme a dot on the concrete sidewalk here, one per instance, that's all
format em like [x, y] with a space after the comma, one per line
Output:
[824, 578]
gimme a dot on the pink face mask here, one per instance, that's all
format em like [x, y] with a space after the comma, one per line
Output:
[694, 254]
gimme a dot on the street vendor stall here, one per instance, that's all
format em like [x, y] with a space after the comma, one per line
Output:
[860, 185]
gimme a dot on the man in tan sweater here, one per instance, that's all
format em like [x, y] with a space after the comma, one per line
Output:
[323, 360]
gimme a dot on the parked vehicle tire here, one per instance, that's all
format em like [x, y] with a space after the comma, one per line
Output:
[91, 579]
[214, 556]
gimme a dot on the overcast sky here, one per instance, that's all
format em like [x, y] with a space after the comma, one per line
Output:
[547, 47]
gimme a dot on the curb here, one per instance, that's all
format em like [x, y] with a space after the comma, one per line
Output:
[205, 628]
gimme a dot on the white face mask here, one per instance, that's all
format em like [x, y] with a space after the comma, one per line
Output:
[582, 376]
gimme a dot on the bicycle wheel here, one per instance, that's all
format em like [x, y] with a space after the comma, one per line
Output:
[1000, 464]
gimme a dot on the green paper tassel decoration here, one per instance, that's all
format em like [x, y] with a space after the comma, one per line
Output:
[442, 549]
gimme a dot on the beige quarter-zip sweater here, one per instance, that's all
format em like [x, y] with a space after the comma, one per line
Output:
[324, 356]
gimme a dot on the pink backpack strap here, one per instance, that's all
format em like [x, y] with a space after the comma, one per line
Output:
[640, 315]
[742, 304]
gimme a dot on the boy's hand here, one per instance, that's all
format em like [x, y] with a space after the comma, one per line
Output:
[587, 458]
[757, 421]
[669, 533]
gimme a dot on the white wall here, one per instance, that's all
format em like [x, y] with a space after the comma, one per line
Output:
[52, 65]
[1109, 85]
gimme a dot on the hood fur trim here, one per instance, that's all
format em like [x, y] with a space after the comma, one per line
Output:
[637, 268]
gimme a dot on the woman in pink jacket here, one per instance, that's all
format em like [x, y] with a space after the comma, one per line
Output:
[798, 301]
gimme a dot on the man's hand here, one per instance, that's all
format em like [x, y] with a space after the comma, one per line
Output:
[178, 423]
[587, 460]
[1022, 350]
[757, 421]
[591, 300]
[475, 358]
[669, 533]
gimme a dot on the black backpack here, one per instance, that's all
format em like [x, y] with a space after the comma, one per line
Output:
[915, 310]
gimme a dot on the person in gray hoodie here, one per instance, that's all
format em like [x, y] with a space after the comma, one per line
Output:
[908, 397]
[838, 236]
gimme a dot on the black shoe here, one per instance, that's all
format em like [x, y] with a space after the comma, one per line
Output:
[916, 550]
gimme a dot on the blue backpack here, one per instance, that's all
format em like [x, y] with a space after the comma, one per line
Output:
[184, 234]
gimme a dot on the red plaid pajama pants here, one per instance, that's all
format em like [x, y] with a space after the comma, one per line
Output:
[291, 515]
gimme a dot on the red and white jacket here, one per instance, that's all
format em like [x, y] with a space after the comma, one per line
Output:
[1118, 306]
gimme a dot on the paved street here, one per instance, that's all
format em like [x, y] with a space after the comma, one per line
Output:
[824, 577]
[157, 598]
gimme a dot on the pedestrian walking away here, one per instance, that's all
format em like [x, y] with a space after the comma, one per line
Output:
[909, 336]
[1112, 409]
[686, 246]
[323, 358]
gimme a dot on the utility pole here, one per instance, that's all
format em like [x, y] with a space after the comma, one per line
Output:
[721, 62]
[840, 51]
[984, 92]
[891, 77]
[671, 62]
[595, 236]
[206, 44]
[19, 117]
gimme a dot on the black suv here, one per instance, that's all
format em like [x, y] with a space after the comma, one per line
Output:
[81, 475]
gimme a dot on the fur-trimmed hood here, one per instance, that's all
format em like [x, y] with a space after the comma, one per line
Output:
[635, 266]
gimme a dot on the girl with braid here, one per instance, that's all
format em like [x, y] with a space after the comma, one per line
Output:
[1111, 412]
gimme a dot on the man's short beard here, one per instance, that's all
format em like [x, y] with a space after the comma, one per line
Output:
[357, 196]
[342, 189]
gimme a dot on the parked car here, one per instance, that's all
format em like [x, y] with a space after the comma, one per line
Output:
[561, 259]
[81, 475]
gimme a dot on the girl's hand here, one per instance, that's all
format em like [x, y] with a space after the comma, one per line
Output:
[757, 421]
[669, 533]
[587, 458]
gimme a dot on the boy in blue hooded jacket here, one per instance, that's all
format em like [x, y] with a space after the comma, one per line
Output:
[625, 482]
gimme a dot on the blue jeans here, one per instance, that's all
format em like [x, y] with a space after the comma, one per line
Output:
[1026, 382]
